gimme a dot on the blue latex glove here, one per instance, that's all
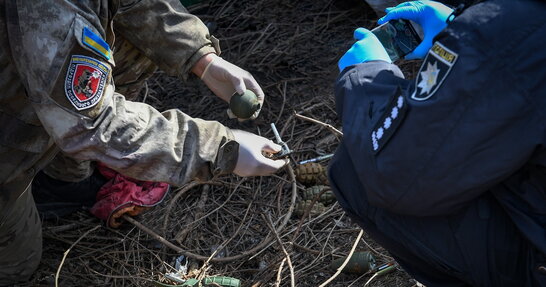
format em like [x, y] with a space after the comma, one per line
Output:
[430, 15]
[366, 48]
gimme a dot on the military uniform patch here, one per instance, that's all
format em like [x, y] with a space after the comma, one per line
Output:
[85, 81]
[96, 43]
[433, 71]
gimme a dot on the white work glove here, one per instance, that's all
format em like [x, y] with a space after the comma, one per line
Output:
[224, 79]
[251, 160]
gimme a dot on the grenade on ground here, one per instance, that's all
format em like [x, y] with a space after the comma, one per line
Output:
[244, 105]
[327, 196]
[302, 206]
[311, 173]
[359, 263]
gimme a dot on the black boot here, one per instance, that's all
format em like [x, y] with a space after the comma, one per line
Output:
[56, 198]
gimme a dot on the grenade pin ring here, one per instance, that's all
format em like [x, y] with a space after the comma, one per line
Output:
[285, 150]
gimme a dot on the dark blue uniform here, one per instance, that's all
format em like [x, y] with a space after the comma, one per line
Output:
[448, 171]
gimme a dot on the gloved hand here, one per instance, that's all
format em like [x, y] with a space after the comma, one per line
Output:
[430, 15]
[224, 79]
[366, 48]
[251, 160]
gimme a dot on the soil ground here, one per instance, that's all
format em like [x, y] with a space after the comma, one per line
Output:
[291, 48]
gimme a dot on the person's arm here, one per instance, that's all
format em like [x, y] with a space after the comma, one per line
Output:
[138, 141]
[432, 16]
[429, 148]
[165, 32]
[70, 88]
[180, 43]
[88, 120]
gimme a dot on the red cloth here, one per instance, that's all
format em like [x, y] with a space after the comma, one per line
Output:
[122, 194]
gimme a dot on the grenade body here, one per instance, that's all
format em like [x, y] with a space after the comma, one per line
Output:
[311, 174]
[244, 105]
[213, 281]
[326, 194]
[360, 263]
[301, 207]
[222, 281]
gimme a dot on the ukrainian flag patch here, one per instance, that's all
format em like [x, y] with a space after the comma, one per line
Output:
[96, 43]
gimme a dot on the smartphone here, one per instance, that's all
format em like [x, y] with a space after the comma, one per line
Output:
[399, 37]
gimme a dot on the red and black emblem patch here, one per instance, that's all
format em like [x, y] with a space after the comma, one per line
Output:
[85, 81]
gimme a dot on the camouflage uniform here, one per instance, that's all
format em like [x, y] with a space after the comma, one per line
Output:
[132, 70]
[48, 103]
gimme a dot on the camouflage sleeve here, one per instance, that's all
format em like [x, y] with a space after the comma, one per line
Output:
[138, 141]
[88, 120]
[66, 67]
[165, 32]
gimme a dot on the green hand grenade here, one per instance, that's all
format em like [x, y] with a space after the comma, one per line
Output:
[310, 173]
[327, 196]
[317, 209]
[244, 105]
[360, 263]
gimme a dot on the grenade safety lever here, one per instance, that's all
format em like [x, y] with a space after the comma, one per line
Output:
[285, 150]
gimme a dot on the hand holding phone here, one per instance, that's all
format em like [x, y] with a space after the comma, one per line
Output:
[399, 38]
[431, 16]
[366, 48]
[388, 42]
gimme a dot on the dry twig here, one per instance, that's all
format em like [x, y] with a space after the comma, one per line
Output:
[68, 250]
[329, 127]
[344, 262]
[267, 219]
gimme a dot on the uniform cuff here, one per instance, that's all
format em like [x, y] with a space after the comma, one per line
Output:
[213, 47]
[227, 156]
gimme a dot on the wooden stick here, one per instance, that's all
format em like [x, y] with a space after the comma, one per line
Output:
[68, 250]
[329, 127]
[278, 281]
[225, 243]
[251, 251]
[269, 222]
[344, 262]
[179, 192]
[199, 211]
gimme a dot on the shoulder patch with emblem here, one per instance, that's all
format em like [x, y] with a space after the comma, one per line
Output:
[96, 43]
[389, 121]
[433, 71]
[85, 81]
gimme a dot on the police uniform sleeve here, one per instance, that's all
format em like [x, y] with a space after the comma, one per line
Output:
[472, 117]
[166, 33]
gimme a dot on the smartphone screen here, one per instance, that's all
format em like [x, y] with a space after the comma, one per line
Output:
[398, 37]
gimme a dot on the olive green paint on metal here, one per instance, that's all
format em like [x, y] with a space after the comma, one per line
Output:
[327, 196]
[360, 263]
[311, 174]
[317, 208]
[208, 281]
[244, 105]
